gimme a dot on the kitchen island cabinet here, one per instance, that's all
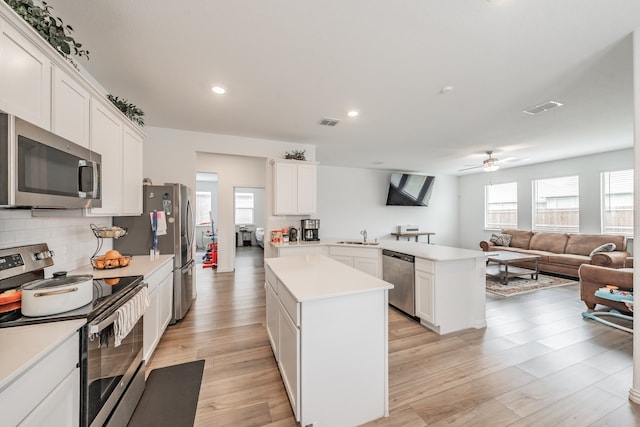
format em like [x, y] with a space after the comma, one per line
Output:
[40, 375]
[327, 324]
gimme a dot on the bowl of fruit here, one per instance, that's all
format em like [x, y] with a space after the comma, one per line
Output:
[111, 259]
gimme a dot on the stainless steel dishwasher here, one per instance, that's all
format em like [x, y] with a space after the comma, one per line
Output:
[398, 269]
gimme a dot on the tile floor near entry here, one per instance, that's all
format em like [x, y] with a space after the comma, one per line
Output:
[538, 363]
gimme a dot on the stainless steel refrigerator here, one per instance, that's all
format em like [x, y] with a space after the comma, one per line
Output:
[177, 203]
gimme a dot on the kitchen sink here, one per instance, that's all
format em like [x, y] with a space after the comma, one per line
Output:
[354, 242]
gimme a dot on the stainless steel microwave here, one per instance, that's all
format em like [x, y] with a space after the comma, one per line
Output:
[39, 169]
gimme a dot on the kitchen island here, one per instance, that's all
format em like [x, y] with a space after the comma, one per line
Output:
[327, 324]
[449, 282]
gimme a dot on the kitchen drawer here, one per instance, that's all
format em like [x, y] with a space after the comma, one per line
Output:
[271, 279]
[154, 279]
[425, 265]
[370, 252]
[290, 304]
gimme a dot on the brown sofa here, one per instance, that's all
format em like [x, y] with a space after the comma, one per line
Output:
[562, 253]
[594, 277]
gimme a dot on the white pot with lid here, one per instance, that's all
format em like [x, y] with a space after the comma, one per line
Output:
[56, 295]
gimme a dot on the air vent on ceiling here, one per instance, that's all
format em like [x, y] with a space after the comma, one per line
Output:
[326, 121]
[545, 106]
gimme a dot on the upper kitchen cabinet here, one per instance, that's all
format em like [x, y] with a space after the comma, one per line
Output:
[107, 138]
[70, 108]
[294, 187]
[132, 172]
[120, 144]
[25, 77]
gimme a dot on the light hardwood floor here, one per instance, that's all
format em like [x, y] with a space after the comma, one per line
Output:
[538, 362]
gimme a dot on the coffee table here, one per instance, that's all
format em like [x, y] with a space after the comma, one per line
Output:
[503, 268]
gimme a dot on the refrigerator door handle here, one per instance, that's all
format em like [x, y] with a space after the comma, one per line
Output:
[186, 266]
[189, 220]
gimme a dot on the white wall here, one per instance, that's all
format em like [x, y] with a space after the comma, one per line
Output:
[233, 171]
[588, 168]
[170, 155]
[351, 199]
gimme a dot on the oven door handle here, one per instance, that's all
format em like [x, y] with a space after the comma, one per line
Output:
[101, 324]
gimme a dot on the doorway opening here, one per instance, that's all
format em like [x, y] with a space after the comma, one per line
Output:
[206, 219]
[248, 222]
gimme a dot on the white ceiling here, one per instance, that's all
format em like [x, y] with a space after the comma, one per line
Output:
[288, 63]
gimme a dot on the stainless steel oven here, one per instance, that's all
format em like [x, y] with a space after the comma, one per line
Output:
[113, 372]
[42, 170]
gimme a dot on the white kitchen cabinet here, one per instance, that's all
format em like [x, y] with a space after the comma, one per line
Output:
[294, 187]
[425, 292]
[272, 309]
[25, 77]
[106, 139]
[366, 259]
[446, 299]
[131, 172]
[158, 314]
[289, 357]
[70, 107]
[293, 249]
[48, 392]
[60, 408]
[330, 377]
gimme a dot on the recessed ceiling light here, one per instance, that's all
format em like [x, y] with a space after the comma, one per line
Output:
[446, 89]
[352, 113]
[218, 89]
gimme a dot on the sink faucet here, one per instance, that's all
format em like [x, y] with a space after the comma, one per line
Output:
[364, 235]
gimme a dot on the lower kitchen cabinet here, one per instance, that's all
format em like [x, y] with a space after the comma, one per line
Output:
[450, 294]
[331, 353]
[158, 314]
[60, 408]
[425, 294]
[366, 260]
[48, 392]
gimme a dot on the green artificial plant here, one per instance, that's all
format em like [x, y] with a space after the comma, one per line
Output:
[51, 28]
[295, 155]
[130, 110]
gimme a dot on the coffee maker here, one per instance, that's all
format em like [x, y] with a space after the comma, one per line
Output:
[309, 230]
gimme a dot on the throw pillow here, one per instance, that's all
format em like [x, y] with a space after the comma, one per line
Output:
[500, 239]
[607, 247]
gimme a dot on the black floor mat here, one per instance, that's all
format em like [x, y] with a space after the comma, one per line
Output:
[170, 396]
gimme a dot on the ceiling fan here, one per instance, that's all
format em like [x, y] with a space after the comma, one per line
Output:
[490, 164]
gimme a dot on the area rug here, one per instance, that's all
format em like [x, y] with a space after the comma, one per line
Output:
[521, 285]
[170, 396]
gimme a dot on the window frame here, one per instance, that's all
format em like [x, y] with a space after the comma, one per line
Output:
[497, 225]
[558, 199]
[237, 209]
[605, 212]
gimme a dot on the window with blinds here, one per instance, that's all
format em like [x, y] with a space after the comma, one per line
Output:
[203, 207]
[556, 204]
[244, 208]
[501, 206]
[617, 202]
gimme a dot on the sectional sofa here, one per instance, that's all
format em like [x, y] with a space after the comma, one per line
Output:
[562, 253]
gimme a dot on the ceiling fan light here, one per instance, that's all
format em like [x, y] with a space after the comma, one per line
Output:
[490, 165]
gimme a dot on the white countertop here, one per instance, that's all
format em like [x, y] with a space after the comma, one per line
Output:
[140, 265]
[417, 249]
[23, 346]
[315, 277]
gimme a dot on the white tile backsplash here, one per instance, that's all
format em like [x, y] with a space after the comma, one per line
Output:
[71, 239]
